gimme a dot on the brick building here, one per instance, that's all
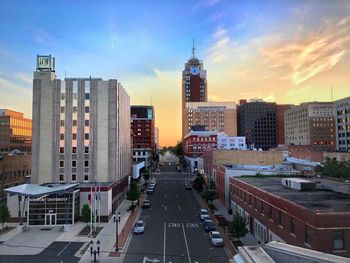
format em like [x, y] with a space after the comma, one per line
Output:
[15, 132]
[13, 170]
[257, 122]
[280, 109]
[195, 142]
[311, 124]
[317, 219]
[143, 133]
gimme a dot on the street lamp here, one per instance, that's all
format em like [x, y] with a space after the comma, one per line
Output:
[95, 251]
[116, 221]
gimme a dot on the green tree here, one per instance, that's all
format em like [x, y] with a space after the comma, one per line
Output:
[4, 214]
[238, 227]
[134, 192]
[333, 168]
[210, 192]
[86, 213]
[145, 175]
[178, 149]
[198, 182]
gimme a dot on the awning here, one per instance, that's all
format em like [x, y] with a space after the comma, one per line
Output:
[33, 190]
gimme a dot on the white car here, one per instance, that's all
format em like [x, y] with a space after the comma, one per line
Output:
[216, 239]
[203, 214]
[139, 227]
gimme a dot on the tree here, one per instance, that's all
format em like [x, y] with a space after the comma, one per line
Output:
[210, 192]
[238, 226]
[333, 168]
[198, 182]
[145, 175]
[86, 213]
[4, 214]
[178, 149]
[134, 192]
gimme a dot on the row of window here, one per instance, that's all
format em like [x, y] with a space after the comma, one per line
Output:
[74, 136]
[74, 163]
[74, 177]
[74, 149]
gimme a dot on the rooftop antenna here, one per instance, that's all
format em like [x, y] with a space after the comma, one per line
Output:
[193, 49]
[65, 74]
[332, 92]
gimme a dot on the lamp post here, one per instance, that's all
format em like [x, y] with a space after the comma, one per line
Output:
[95, 251]
[116, 221]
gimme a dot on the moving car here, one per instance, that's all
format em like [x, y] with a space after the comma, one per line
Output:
[208, 225]
[150, 190]
[216, 239]
[139, 227]
[203, 213]
[146, 204]
[188, 186]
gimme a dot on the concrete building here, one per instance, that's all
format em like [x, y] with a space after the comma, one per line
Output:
[214, 116]
[257, 122]
[142, 132]
[279, 211]
[311, 153]
[194, 84]
[231, 142]
[311, 123]
[342, 117]
[14, 170]
[15, 132]
[81, 131]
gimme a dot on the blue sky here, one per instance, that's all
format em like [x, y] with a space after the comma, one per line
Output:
[250, 48]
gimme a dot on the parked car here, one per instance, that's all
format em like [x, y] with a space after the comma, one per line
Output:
[146, 204]
[216, 239]
[208, 225]
[139, 227]
[150, 190]
[203, 213]
[188, 186]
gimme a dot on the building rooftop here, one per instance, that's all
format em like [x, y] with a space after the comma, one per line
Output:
[320, 201]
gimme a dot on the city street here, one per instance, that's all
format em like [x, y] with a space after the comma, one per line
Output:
[173, 230]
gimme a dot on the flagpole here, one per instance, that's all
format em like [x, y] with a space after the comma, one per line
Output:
[91, 210]
[99, 204]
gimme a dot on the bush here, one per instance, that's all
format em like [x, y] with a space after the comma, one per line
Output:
[86, 213]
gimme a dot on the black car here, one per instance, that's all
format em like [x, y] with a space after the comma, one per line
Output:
[208, 225]
[146, 204]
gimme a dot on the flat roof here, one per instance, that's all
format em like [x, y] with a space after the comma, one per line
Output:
[321, 201]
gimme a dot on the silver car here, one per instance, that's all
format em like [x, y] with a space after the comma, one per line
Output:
[216, 239]
[139, 227]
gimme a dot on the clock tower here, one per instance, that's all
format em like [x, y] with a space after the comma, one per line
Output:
[194, 83]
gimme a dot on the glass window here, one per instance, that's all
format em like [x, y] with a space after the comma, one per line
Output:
[74, 177]
[86, 149]
[86, 163]
[74, 122]
[61, 149]
[61, 177]
[307, 235]
[62, 136]
[62, 123]
[86, 177]
[74, 136]
[87, 122]
[338, 240]
[61, 164]
[86, 136]
[87, 109]
[74, 163]
[74, 149]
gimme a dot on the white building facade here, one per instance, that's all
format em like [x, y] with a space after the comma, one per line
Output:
[231, 142]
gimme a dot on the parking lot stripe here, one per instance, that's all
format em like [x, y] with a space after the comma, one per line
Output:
[188, 251]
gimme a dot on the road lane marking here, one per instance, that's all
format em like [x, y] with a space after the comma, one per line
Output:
[188, 252]
[179, 208]
[165, 207]
[164, 242]
[63, 249]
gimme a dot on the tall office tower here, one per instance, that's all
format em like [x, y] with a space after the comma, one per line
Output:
[215, 116]
[312, 124]
[142, 132]
[280, 109]
[342, 117]
[194, 84]
[81, 128]
[15, 132]
[257, 122]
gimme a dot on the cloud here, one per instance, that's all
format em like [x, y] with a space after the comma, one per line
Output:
[25, 77]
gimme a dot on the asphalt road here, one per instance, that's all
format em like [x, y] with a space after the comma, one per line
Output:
[173, 231]
[57, 252]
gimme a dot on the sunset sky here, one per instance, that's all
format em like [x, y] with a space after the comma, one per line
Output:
[285, 51]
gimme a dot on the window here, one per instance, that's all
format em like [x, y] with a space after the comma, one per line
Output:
[87, 109]
[74, 136]
[262, 208]
[74, 149]
[307, 235]
[87, 96]
[86, 163]
[75, 109]
[338, 240]
[62, 136]
[74, 122]
[86, 149]
[74, 177]
[61, 177]
[86, 136]
[292, 225]
[61, 164]
[86, 177]
[61, 149]
[270, 212]
[280, 218]
[62, 109]
[74, 163]
[62, 122]
[87, 122]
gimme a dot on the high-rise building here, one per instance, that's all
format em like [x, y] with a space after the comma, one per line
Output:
[257, 122]
[142, 132]
[156, 137]
[280, 109]
[215, 116]
[81, 128]
[342, 117]
[194, 84]
[15, 132]
[311, 123]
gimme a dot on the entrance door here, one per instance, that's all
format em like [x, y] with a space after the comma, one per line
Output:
[50, 219]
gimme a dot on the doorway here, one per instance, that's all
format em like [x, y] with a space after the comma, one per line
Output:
[50, 219]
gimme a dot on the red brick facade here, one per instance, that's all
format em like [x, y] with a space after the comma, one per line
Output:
[280, 123]
[281, 216]
[195, 143]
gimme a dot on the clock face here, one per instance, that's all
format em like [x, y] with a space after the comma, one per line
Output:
[43, 62]
[194, 70]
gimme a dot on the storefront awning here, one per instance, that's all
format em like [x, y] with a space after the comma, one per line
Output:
[33, 190]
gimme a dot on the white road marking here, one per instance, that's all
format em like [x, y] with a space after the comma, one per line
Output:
[165, 207]
[63, 249]
[164, 242]
[188, 252]
[179, 208]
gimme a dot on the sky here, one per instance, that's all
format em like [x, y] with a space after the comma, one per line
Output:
[285, 51]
